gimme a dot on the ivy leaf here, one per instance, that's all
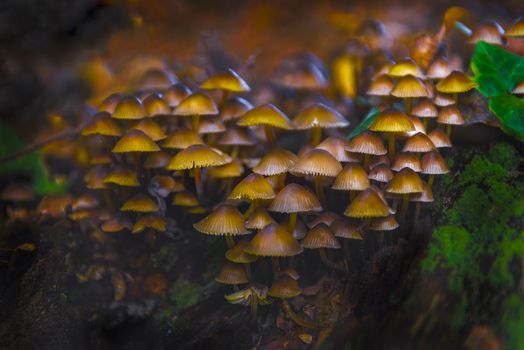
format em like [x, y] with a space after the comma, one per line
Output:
[365, 123]
[497, 71]
[510, 111]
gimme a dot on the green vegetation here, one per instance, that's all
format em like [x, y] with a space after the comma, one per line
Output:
[365, 123]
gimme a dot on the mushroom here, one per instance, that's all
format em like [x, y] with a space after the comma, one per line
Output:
[489, 31]
[227, 82]
[425, 109]
[392, 122]
[175, 94]
[232, 274]
[181, 139]
[234, 108]
[226, 221]
[387, 223]
[237, 255]
[440, 139]
[253, 188]
[321, 237]
[409, 87]
[151, 129]
[450, 115]
[337, 146]
[438, 69]
[195, 106]
[156, 106]
[152, 221]
[348, 229]
[318, 117]
[407, 160]
[140, 203]
[129, 108]
[254, 295]
[406, 67]
[456, 83]
[433, 164]
[382, 86]
[135, 142]
[276, 162]
[367, 204]
[117, 223]
[109, 103]
[259, 219]
[352, 178]
[236, 137]
[404, 183]
[367, 143]
[268, 116]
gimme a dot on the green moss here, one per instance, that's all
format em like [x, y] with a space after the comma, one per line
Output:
[185, 294]
[513, 322]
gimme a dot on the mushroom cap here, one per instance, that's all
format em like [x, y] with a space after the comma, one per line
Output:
[253, 186]
[290, 272]
[185, 199]
[227, 81]
[95, 177]
[426, 196]
[438, 69]
[321, 116]
[392, 121]
[99, 159]
[117, 223]
[387, 223]
[418, 127]
[300, 228]
[54, 205]
[352, 178]
[175, 94]
[273, 240]
[440, 139]
[317, 162]
[196, 156]
[418, 143]
[425, 109]
[294, 199]
[225, 220]
[156, 106]
[156, 222]
[490, 32]
[102, 124]
[122, 176]
[519, 88]
[156, 160]
[326, 217]
[151, 129]
[379, 160]
[235, 136]
[234, 108]
[259, 219]
[450, 115]
[284, 288]
[140, 203]
[337, 146]
[135, 141]
[182, 138]
[238, 255]
[344, 227]
[266, 114]
[407, 160]
[381, 173]
[228, 170]
[129, 107]
[517, 29]
[301, 71]
[209, 126]
[381, 86]
[320, 236]
[367, 204]
[196, 104]
[409, 86]
[434, 163]
[232, 274]
[367, 142]
[162, 185]
[455, 82]
[405, 181]
[17, 192]
[277, 161]
[109, 103]
[405, 67]
[156, 78]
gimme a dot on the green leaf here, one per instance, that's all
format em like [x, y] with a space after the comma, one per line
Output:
[510, 111]
[497, 71]
[365, 123]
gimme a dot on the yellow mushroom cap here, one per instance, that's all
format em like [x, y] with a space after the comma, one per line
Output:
[238, 255]
[99, 159]
[490, 32]
[182, 138]
[434, 163]
[135, 141]
[418, 143]
[102, 124]
[273, 240]
[196, 156]
[157, 160]
[450, 115]
[517, 29]
[352, 178]
[156, 106]
[156, 222]
[277, 161]
[175, 94]
[367, 142]
[440, 139]
[233, 169]
[405, 181]
[381, 86]
[284, 288]
[196, 104]
[17, 192]
[122, 176]
[290, 272]
[326, 217]
[381, 173]
[265, 115]
[392, 121]
[407, 160]
[235, 136]
[253, 186]
[185, 199]
[406, 67]
[140, 203]
[344, 227]
[259, 219]
[294, 199]
[116, 224]
[321, 116]
[367, 204]
[129, 107]
[225, 220]
[109, 103]
[317, 162]
[232, 274]
[456, 82]
[234, 108]
[387, 223]
[409, 86]
[425, 109]
[227, 81]
[320, 236]
[438, 69]
[151, 129]
[337, 146]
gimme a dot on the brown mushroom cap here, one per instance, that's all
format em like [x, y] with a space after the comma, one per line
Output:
[381, 173]
[122, 176]
[344, 227]
[140, 203]
[440, 139]
[326, 217]
[135, 141]
[387, 223]
[129, 107]
[290, 272]
[418, 127]
[438, 69]
[517, 29]
[155, 222]
[254, 186]
[156, 106]
[406, 67]
[337, 146]
[273, 240]
[379, 160]
[54, 205]
[157, 160]
[175, 94]
[367, 142]
[225, 220]
[456, 82]
[426, 196]
[109, 103]
[234, 108]
[276, 161]
[519, 88]
[284, 288]
[17, 192]
[185, 199]
[490, 32]
[367, 204]
[381, 86]
[228, 170]
[196, 156]
[210, 126]
[265, 115]
[259, 219]
[418, 143]
[196, 104]
[434, 163]
[182, 138]
[98, 159]
[392, 121]
[163, 185]
[237, 254]
[294, 199]
[151, 129]
[227, 81]
[95, 177]
[317, 162]
[116, 224]
[232, 274]
[425, 109]
[409, 86]
[236, 137]
[450, 115]
[405, 181]
[102, 124]
[442, 100]
[352, 178]
[321, 116]
[85, 201]
[407, 160]
[320, 236]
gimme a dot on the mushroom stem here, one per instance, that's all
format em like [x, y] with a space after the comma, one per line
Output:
[253, 303]
[276, 264]
[195, 122]
[417, 212]
[324, 258]
[234, 152]
[405, 204]
[292, 222]
[391, 146]
[281, 181]
[223, 100]
[366, 161]
[230, 241]
[430, 179]
[448, 130]
[270, 135]
[319, 189]
[351, 195]
[408, 105]
[198, 182]
[316, 136]
[252, 206]
[425, 123]
[296, 318]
